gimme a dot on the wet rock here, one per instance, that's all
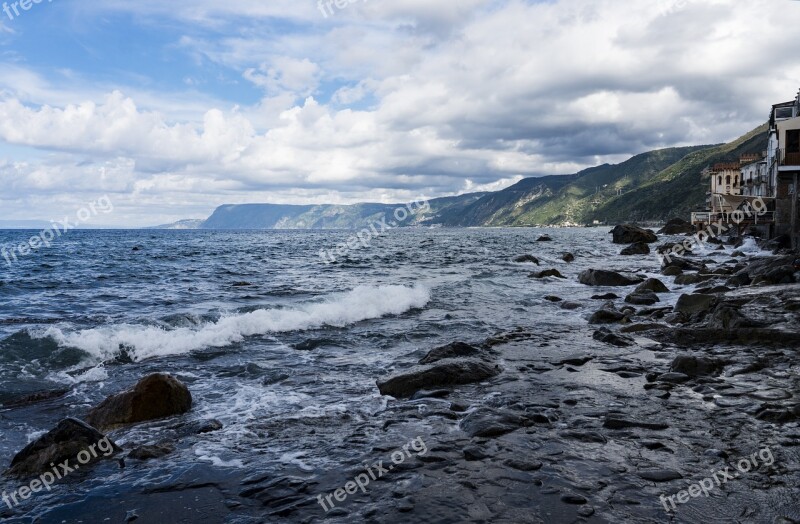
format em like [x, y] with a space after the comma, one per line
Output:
[606, 316]
[646, 298]
[574, 360]
[677, 226]
[671, 271]
[639, 248]
[35, 398]
[739, 279]
[692, 304]
[673, 378]
[544, 238]
[568, 257]
[638, 328]
[151, 452]
[592, 437]
[684, 264]
[551, 298]
[241, 284]
[652, 284]
[713, 290]
[196, 427]
[697, 366]
[65, 442]
[489, 423]
[729, 317]
[452, 350]
[570, 306]
[154, 397]
[439, 393]
[607, 336]
[474, 453]
[660, 475]
[523, 465]
[573, 499]
[628, 234]
[546, 273]
[779, 414]
[737, 254]
[614, 422]
[601, 277]
[443, 373]
[527, 258]
[607, 296]
[690, 279]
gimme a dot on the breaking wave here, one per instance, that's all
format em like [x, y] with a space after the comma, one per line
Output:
[142, 342]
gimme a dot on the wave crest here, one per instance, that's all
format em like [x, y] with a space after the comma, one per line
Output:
[143, 342]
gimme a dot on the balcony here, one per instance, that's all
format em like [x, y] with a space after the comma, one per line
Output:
[789, 158]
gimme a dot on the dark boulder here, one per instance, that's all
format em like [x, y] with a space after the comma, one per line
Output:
[682, 263]
[609, 337]
[71, 440]
[443, 373]
[452, 350]
[489, 423]
[642, 298]
[652, 284]
[628, 234]
[639, 248]
[546, 273]
[544, 238]
[677, 226]
[692, 304]
[607, 296]
[526, 258]
[606, 316]
[695, 366]
[601, 277]
[568, 257]
[154, 397]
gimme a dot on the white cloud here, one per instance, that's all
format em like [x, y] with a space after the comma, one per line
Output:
[390, 100]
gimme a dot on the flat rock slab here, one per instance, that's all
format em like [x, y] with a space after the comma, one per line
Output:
[444, 373]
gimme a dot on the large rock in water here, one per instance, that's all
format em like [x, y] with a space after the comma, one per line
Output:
[652, 284]
[443, 373]
[628, 234]
[452, 350]
[156, 396]
[639, 248]
[601, 277]
[677, 226]
[65, 442]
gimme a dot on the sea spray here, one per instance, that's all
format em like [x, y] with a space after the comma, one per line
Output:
[142, 342]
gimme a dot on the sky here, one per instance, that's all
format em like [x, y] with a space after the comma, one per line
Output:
[172, 108]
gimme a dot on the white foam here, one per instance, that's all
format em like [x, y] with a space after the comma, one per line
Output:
[143, 342]
[749, 245]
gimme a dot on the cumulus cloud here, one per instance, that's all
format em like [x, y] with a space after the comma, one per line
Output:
[394, 100]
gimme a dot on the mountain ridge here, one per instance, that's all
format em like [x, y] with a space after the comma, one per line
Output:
[652, 186]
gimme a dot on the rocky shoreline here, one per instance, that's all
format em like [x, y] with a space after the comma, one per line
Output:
[521, 427]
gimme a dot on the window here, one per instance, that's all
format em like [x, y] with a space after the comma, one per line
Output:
[783, 112]
[793, 141]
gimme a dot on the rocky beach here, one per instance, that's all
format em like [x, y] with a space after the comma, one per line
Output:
[614, 383]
